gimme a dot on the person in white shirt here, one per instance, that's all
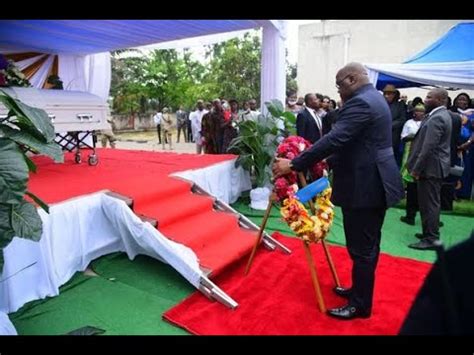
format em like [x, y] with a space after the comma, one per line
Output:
[196, 118]
[251, 113]
[157, 119]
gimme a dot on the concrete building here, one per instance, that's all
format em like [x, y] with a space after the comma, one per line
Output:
[326, 46]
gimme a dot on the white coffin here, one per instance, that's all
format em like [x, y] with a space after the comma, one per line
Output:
[69, 111]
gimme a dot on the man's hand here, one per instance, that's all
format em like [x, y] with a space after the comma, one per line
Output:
[281, 167]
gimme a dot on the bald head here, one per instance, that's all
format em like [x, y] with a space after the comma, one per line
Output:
[354, 68]
[350, 78]
[435, 98]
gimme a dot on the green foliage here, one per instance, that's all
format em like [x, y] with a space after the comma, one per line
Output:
[291, 72]
[235, 68]
[172, 79]
[24, 127]
[257, 141]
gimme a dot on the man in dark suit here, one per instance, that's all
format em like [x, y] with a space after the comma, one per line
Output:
[444, 304]
[366, 179]
[309, 123]
[429, 163]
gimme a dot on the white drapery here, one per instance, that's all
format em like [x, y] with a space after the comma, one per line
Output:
[221, 180]
[89, 73]
[446, 74]
[273, 74]
[76, 232]
[82, 229]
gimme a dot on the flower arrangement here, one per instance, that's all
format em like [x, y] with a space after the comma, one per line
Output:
[10, 75]
[307, 227]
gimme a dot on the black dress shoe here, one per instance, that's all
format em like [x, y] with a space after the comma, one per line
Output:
[343, 292]
[420, 235]
[348, 312]
[407, 220]
[424, 244]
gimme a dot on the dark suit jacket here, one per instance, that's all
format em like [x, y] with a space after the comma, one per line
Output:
[307, 128]
[444, 304]
[430, 154]
[398, 111]
[365, 172]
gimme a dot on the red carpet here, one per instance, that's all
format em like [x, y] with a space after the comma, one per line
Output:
[144, 176]
[277, 296]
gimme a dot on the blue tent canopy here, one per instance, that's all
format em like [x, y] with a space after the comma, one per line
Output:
[455, 46]
[82, 37]
[448, 62]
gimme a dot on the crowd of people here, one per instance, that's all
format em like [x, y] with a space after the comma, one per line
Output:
[211, 126]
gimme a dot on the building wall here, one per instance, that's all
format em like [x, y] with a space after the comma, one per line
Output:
[324, 48]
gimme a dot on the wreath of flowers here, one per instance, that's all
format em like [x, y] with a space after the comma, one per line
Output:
[307, 227]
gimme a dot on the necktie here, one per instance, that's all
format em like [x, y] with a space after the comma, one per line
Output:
[318, 123]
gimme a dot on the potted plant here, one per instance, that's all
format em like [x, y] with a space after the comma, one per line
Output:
[23, 129]
[256, 146]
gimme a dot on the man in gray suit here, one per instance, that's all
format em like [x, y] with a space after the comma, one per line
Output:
[429, 163]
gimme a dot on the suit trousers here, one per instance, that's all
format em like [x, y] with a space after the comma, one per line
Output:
[429, 196]
[412, 200]
[362, 228]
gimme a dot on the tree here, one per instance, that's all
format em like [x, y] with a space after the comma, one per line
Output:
[235, 68]
[291, 84]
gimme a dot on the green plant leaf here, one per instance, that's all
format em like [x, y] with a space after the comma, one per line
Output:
[289, 117]
[29, 163]
[275, 108]
[13, 172]
[26, 222]
[39, 201]
[87, 330]
[51, 149]
[37, 117]
[6, 231]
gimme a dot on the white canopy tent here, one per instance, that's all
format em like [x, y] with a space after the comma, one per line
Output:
[82, 47]
[448, 62]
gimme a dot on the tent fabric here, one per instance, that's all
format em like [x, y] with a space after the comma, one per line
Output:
[81, 37]
[77, 41]
[454, 46]
[448, 62]
[446, 74]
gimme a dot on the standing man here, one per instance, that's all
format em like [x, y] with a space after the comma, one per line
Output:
[429, 163]
[196, 127]
[309, 124]
[366, 179]
[181, 123]
[399, 116]
[157, 120]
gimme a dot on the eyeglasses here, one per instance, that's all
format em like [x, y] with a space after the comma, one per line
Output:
[339, 83]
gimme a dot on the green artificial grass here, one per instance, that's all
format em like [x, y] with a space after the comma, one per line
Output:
[128, 298]
[395, 235]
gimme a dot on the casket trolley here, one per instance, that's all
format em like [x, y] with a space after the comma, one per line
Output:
[76, 116]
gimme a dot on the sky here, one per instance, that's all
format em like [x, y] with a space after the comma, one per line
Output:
[197, 48]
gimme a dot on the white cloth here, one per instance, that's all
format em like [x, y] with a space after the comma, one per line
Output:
[448, 74]
[222, 180]
[89, 73]
[410, 128]
[196, 120]
[273, 77]
[6, 326]
[75, 233]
